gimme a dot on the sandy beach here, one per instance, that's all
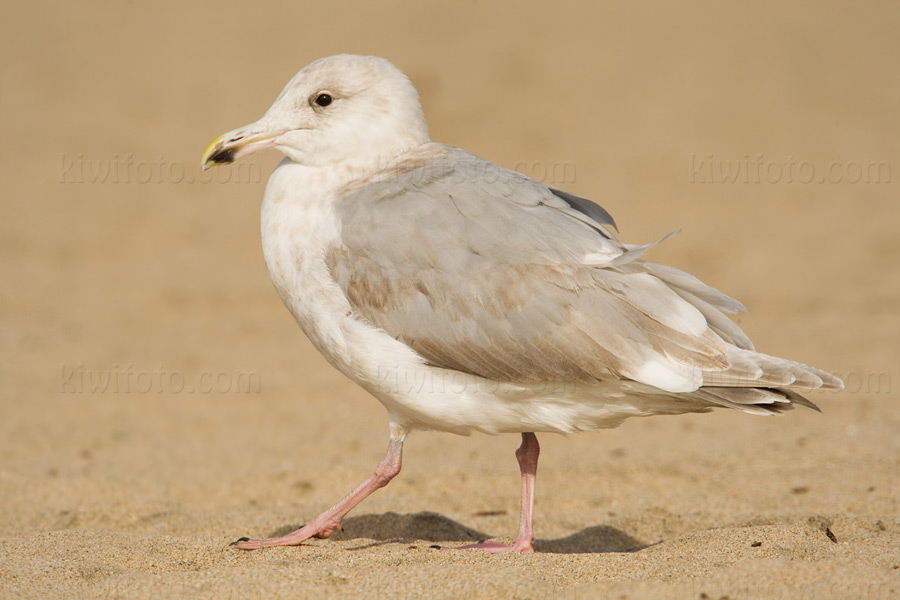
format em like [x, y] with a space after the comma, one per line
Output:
[157, 401]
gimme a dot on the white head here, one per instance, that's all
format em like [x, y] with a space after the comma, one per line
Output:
[340, 109]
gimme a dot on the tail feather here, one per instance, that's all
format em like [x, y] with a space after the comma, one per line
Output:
[759, 401]
[762, 384]
[752, 369]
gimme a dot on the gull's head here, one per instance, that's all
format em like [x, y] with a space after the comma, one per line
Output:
[343, 108]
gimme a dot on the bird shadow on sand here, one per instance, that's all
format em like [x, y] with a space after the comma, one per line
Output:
[391, 527]
[592, 540]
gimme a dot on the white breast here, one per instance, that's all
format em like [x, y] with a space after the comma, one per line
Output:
[296, 230]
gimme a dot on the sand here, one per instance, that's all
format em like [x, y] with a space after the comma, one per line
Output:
[158, 402]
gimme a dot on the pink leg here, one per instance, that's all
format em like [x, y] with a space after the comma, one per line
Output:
[527, 455]
[325, 523]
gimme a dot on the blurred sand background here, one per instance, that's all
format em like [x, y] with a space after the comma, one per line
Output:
[107, 492]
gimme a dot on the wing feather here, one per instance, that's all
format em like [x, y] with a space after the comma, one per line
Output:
[503, 277]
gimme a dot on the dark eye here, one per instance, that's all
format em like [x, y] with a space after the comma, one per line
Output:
[323, 99]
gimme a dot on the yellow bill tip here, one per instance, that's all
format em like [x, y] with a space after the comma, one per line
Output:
[214, 155]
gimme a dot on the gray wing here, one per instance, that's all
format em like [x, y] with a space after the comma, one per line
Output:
[485, 271]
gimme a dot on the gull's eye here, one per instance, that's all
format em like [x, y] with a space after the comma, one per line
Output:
[323, 99]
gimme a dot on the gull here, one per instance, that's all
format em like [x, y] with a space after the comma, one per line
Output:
[466, 297]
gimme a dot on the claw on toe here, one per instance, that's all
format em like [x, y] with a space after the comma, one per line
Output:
[245, 543]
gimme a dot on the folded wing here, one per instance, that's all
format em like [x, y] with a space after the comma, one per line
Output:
[485, 271]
